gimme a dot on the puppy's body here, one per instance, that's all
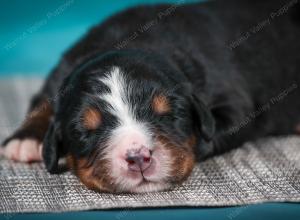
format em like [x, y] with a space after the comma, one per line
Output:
[241, 59]
[199, 39]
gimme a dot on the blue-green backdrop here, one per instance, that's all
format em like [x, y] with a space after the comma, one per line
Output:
[33, 33]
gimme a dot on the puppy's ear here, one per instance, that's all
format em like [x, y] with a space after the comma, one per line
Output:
[204, 118]
[51, 144]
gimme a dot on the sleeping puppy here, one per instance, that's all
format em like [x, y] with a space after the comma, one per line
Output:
[145, 95]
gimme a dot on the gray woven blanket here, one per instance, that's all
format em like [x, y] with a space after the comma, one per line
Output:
[268, 170]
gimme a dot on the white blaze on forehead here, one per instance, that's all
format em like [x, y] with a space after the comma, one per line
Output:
[116, 98]
[120, 106]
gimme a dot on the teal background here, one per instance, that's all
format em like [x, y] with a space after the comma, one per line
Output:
[31, 42]
[272, 211]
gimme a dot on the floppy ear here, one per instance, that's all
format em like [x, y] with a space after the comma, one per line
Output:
[204, 118]
[51, 144]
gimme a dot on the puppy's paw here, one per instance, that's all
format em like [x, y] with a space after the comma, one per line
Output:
[25, 150]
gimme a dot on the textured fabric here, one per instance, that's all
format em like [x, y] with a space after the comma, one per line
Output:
[268, 170]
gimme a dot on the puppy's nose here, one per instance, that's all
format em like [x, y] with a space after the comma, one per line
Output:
[138, 159]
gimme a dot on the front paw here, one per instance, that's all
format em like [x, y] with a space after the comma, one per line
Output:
[23, 150]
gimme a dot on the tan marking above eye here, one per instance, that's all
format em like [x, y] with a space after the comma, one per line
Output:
[160, 104]
[91, 118]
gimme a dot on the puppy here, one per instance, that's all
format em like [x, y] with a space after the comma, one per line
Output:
[145, 95]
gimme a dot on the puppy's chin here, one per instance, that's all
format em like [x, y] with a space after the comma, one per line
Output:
[170, 165]
[151, 187]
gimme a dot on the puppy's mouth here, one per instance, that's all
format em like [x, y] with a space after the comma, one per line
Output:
[145, 171]
[138, 169]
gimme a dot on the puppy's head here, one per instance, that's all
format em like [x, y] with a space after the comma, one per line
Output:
[127, 123]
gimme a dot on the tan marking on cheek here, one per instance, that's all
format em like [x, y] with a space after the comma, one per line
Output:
[187, 157]
[188, 165]
[160, 104]
[94, 177]
[183, 158]
[86, 175]
[183, 164]
[91, 118]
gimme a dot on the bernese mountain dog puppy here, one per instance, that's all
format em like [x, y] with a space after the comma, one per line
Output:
[148, 93]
